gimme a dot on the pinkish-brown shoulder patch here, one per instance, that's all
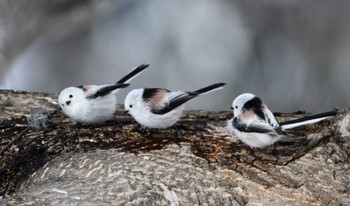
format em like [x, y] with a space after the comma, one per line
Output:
[158, 97]
[247, 114]
[86, 88]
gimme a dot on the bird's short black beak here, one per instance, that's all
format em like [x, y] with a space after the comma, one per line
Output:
[126, 111]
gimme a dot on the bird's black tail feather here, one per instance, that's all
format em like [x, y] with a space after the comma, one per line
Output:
[307, 120]
[210, 88]
[133, 73]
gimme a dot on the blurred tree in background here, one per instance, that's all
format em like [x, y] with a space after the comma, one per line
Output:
[294, 54]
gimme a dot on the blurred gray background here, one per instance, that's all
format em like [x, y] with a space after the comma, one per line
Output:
[294, 54]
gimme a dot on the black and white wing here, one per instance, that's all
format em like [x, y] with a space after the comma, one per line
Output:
[254, 126]
[270, 118]
[261, 110]
[162, 101]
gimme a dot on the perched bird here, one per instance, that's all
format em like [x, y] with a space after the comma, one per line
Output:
[255, 125]
[161, 108]
[94, 104]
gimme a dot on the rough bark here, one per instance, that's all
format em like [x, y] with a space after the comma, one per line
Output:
[44, 159]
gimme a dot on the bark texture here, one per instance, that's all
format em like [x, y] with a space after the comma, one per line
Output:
[44, 159]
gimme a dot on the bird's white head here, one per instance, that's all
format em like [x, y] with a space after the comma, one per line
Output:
[70, 98]
[238, 103]
[133, 101]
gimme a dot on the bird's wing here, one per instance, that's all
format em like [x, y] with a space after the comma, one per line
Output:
[254, 126]
[269, 117]
[164, 101]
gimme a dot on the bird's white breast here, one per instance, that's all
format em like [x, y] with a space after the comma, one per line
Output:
[94, 111]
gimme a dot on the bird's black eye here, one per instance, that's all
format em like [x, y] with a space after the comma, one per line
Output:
[236, 107]
[231, 107]
[130, 105]
[70, 96]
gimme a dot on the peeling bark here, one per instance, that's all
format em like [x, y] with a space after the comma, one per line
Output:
[47, 160]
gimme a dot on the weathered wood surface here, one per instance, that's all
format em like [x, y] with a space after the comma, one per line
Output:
[46, 160]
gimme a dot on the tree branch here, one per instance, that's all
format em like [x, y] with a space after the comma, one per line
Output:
[195, 162]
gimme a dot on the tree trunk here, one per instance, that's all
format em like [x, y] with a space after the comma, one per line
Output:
[45, 159]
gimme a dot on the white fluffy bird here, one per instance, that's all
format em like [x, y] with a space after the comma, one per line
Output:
[161, 108]
[255, 125]
[94, 104]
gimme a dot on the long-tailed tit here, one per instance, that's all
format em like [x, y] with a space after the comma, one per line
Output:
[161, 108]
[255, 125]
[94, 104]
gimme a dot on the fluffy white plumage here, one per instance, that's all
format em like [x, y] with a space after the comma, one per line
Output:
[160, 108]
[94, 104]
[75, 104]
[255, 125]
